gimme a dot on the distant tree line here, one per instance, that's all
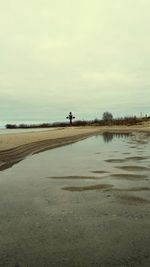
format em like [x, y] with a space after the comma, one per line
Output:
[107, 119]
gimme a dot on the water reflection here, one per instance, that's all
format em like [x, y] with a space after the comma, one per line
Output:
[108, 137]
[141, 138]
[85, 162]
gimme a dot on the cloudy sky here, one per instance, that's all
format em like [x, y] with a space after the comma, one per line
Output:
[74, 55]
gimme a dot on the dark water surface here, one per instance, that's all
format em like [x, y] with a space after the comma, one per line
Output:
[85, 204]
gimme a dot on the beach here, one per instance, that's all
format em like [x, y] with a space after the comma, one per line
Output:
[9, 141]
[81, 205]
[16, 146]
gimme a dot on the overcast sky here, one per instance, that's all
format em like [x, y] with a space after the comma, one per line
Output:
[74, 55]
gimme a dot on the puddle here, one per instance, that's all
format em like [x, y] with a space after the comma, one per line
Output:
[70, 196]
[71, 167]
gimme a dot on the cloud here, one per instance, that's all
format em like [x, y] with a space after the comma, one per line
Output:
[81, 55]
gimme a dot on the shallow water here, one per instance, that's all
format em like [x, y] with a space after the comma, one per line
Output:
[85, 204]
[105, 158]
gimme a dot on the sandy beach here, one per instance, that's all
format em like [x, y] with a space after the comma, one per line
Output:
[8, 141]
[14, 147]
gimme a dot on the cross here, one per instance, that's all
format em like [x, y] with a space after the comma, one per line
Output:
[70, 117]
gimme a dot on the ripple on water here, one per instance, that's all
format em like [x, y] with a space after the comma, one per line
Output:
[136, 158]
[90, 187]
[115, 160]
[75, 177]
[126, 159]
[133, 168]
[125, 176]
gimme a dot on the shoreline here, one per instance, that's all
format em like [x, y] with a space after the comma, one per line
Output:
[16, 146]
[83, 208]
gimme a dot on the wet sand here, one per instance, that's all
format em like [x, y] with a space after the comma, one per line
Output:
[44, 225]
[9, 141]
[15, 147]
[77, 221]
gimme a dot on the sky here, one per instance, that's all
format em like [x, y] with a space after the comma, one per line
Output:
[83, 56]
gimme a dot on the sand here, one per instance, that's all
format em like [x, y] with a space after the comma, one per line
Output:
[16, 146]
[8, 141]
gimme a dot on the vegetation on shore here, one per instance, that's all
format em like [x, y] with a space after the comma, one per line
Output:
[107, 119]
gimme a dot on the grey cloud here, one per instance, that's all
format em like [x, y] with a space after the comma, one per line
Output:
[80, 55]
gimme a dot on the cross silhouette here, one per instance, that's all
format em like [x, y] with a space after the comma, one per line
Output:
[70, 117]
